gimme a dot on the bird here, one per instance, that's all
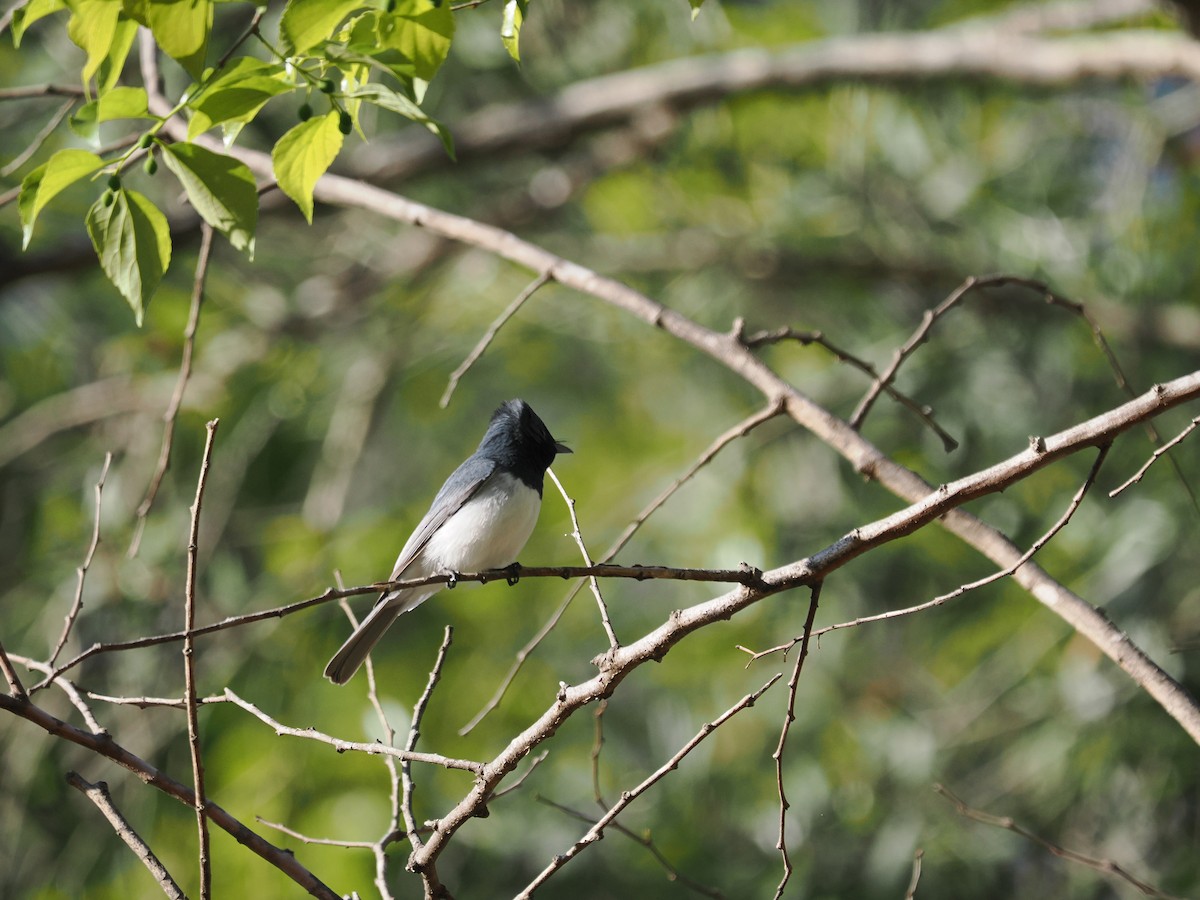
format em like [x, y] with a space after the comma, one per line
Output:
[480, 519]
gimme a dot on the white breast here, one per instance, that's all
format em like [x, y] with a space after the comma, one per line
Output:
[489, 531]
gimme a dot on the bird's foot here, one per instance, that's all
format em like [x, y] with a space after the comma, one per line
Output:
[514, 573]
[451, 580]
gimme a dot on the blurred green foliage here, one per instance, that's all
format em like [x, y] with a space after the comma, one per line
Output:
[849, 209]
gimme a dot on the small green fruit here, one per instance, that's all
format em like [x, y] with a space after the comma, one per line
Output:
[114, 182]
[150, 165]
[327, 85]
[305, 112]
[345, 123]
[108, 197]
[145, 141]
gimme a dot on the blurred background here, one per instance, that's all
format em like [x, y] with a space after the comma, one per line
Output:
[848, 206]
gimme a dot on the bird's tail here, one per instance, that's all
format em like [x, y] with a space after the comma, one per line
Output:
[387, 609]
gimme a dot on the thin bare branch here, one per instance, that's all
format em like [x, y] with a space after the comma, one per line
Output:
[490, 335]
[414, 734]
[185, 371]
[788, 719]
[81, 572]
[70, 690]
[341, 746]
[673, 874]
[189, 664]
[597, 830]
[98, 794]
[613, 643]
[1106, 866]
[10, 675]
[1137, 476]
[911, 891]
[105, 746]
[324, 842]
[1037, 545]
[804, 338]
[38, 139]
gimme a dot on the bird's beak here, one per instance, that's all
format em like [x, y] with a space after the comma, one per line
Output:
[560, 447]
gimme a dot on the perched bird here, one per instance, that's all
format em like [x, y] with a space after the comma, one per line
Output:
[480, 519]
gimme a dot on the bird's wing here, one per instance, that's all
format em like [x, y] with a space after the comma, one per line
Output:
[458, 489]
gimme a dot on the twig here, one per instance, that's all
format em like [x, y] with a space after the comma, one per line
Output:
[341, 746]
[38, 139]
[189, 664]
[10, 675]
[788, 719]
[924, 413]
[911, 891]
[105, 746]
[185, 371]
[324, 842]
[520, 779]
[597, 746]
[962, 588]
[149, 702]
[490, 335]
[81, 572]
[98, 794]
[1137, 476]
[70, 690]
[673, 874]
[414, 734]
[613, 643]
[1106, 866]
[748, 576]
[597, 830]
[740, 430]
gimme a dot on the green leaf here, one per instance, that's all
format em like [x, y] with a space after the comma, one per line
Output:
[421, 32]
[221, 188]
[123, 103]
[45, 182]
[386, 98]
[237, 94]
[92, 27]
[133, 242]
[306, 23]
[303, 154]
[114, 62]
[136, 10]
[181, 28]
[30, 13]
[510, 27]
[696, 4]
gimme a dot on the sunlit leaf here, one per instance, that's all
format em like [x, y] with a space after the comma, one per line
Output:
[114, 62]
[386, 98]
[92, 27]
[133, 242]
[306, 23]
[237, 94]
[181, 28]
[48, 180]
[30, 13]
[510, 27]
[421, 32]
[303, 155]
[221, 189]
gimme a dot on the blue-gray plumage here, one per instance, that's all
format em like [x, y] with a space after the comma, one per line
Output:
[480, 519]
